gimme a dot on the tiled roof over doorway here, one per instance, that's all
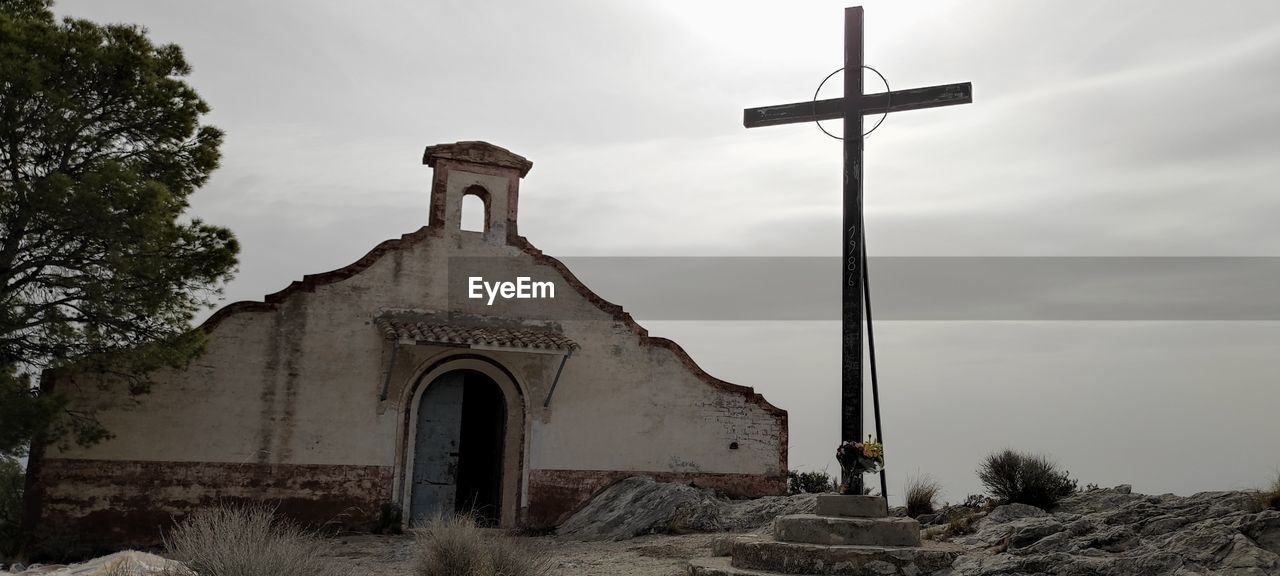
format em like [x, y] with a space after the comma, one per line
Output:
[426, 332]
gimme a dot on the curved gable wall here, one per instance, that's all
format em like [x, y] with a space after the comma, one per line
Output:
[286, 405]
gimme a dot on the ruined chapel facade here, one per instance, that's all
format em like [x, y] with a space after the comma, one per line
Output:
[375, 388]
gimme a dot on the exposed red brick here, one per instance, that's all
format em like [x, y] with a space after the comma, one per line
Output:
[554, 494]
[92, 505]
[476, 152]
[309, 282]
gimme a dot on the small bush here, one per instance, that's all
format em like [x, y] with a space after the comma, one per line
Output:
[246, 541]
[809, 482]
[1025, 479]
[12, 479]
[976, 502]
[455, 546]
[922, 495]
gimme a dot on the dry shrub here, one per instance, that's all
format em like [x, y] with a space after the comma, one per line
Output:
[922, 495]
[246, 541]
[978, 502]
[1270, 497]
[809, 482]
[455, 546]
[1025, 479]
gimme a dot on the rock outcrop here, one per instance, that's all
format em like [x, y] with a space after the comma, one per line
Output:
[639, 505]
[1116, 532]
[1099, 532]
[126, 563]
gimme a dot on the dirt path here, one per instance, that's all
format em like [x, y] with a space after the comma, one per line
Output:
[654, 555]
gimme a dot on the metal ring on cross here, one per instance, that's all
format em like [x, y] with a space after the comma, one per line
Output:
[888, 102]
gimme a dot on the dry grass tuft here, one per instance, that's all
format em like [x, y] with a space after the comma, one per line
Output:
[922, 495]
[1270, 497]
[455, 546]
[246, 541]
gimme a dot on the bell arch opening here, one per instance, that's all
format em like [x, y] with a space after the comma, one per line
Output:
[475, 213]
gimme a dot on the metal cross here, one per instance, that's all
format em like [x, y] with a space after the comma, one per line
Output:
[852, 107]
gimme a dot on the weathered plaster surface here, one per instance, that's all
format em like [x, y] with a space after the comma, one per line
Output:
[292, 385]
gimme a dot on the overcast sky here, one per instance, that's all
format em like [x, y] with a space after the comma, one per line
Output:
[1098, 128]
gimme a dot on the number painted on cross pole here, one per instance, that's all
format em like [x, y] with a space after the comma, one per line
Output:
[851, 259]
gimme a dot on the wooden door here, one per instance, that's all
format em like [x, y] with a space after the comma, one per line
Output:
[436, 449]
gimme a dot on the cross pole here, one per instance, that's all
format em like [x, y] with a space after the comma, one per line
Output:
[852, 107]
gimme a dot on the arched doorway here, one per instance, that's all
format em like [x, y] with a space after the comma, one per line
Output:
[458, 448]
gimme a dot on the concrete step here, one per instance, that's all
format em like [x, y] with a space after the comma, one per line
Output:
[794, 558]
[721, 567]
[814, 529]
[851, 506]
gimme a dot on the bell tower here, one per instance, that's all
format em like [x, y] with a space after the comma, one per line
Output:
[480, 169]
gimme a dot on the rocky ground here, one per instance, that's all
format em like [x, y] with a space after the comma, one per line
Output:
[1116, 532]
[370, 555]
[1100, 532]
[651, 555]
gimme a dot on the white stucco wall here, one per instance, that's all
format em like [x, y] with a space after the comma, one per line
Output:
[297, 379]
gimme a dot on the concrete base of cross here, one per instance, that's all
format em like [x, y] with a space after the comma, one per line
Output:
[848, 536]
[851, 506]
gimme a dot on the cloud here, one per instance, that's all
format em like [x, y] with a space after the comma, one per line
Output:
[1098, 128]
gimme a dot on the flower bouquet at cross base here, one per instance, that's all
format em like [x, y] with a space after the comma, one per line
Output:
[859, 458]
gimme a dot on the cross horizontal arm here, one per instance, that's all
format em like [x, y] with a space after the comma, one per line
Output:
[896, 101]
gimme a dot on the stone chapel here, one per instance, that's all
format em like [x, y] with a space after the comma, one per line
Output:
[375, 389]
